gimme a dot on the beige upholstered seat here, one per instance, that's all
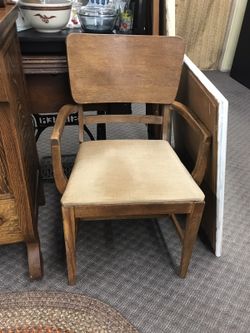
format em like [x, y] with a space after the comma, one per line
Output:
[128, 178]
[127, 172]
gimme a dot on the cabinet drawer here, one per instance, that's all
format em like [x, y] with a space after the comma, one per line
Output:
[10, 230]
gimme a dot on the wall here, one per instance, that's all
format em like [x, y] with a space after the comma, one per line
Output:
[232, 35]
[203, 24]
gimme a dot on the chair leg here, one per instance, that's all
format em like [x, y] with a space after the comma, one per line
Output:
[69, 227]
[190, 234]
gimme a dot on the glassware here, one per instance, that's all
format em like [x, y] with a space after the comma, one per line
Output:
[74, 21]
[126, 16]
[97, 18]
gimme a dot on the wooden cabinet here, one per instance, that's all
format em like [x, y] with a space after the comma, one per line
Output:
[19, 165]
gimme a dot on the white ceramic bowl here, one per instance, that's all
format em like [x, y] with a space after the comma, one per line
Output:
[49, 16]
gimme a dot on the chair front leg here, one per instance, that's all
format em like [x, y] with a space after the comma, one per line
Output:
[190, 235]
[69, 227]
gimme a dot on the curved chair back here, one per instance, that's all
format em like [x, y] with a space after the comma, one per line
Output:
[124, 70]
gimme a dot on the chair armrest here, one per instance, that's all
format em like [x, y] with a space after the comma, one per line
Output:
[199, 170]
[59, 175]
[61, 118]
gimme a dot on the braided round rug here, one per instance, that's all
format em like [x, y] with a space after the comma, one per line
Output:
[48, 312]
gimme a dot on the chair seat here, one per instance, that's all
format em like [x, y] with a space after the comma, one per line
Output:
[129, 172]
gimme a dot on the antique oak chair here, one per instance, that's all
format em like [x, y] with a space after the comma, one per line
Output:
[116, 179]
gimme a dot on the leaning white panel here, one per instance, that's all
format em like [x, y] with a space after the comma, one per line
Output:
[222, 146]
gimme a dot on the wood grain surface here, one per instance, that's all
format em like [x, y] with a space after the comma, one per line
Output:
[19, 181]
[122, 74]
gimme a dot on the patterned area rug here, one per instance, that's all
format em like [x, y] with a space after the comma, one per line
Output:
[48, 312]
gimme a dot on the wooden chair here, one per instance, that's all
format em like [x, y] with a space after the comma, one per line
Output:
[115, 179]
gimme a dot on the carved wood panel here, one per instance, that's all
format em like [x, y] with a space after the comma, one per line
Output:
[25, 161]
[10, 231]
[4, 183]
[18, 156]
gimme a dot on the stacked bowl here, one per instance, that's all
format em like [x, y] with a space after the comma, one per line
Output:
[47, 16]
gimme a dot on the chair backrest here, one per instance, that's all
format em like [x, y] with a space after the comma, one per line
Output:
[124, 68]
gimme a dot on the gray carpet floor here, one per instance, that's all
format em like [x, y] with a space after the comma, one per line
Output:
[127, 264]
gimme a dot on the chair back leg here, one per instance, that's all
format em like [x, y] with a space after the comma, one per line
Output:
[190, 235]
